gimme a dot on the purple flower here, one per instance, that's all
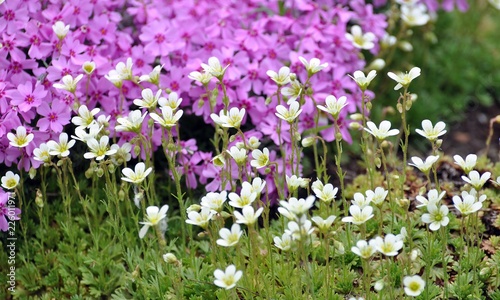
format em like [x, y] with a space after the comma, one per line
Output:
[7, 210]
[25, 97]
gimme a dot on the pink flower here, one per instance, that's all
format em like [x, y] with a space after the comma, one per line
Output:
[55, 116]
[25, 97]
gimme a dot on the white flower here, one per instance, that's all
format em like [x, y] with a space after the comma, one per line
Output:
[227, 279]
[282, 77]
[432, 197]
[82, 135]
[214, 201]
[362, 80]
[257, 185]
[20, 139]
[495, 3]
[383, 131]
[61, 148]
[85, 117]
[389, 245]
[231, 237]
[424, 166]
[42, 153]
[297, 232]
[326, 193]
[359, 39]
[292, 92]
[68, 83]
[239, 155]
[414, 285]
[378, 196]
[153, 217]
[88, 67]
[323, 224]
[431, 132]
[138, 174]
[148, 100]
[313, 66]
[468, 164]
[468, 205]
[333, 105]
[153, 77]
[124, 70]
[10, 180]
[232, 119]
[132, 123]
[293, 182]
[200, 218]
[122, 153]
[297, 207]
[60, 29]
[364, 249]
[249, 215]
[360, 200]
[358, 215]
[405, 79]
[247, 197]
[414, 15]
[168, 118]
[289, 114]
[436, 217]
[98, 149]
[474, 194]
[115, 78]
[173, 101]
[203, 78]
[214, 67]
[260, 158]
[475, 180]
[284, 243]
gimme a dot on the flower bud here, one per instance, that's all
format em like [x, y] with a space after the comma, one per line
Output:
[59, 163]
[355, 126]
[293, 76]
[137, 150]
[232, 138]
[439, 142]
[268, 100]
[379, 285]
[369, 106]
[267, 170]
[414, 254]
[121, 195]
[253, 143]
[339, 246]
[138, 197]
[39, 198]
[99, 172]
[170, 258]
[399, 107]
[296, 136]
[385, 144]
[193, 207]
[408, 104]
[405, 46]
[308, 141]
[111, 168]
[338, 136]
[377, 65]
[89, 173]
[225, 214]
[32, 173]
[378, 162]
[356, 117]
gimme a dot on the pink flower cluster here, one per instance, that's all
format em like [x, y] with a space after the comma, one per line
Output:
[250, 36]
